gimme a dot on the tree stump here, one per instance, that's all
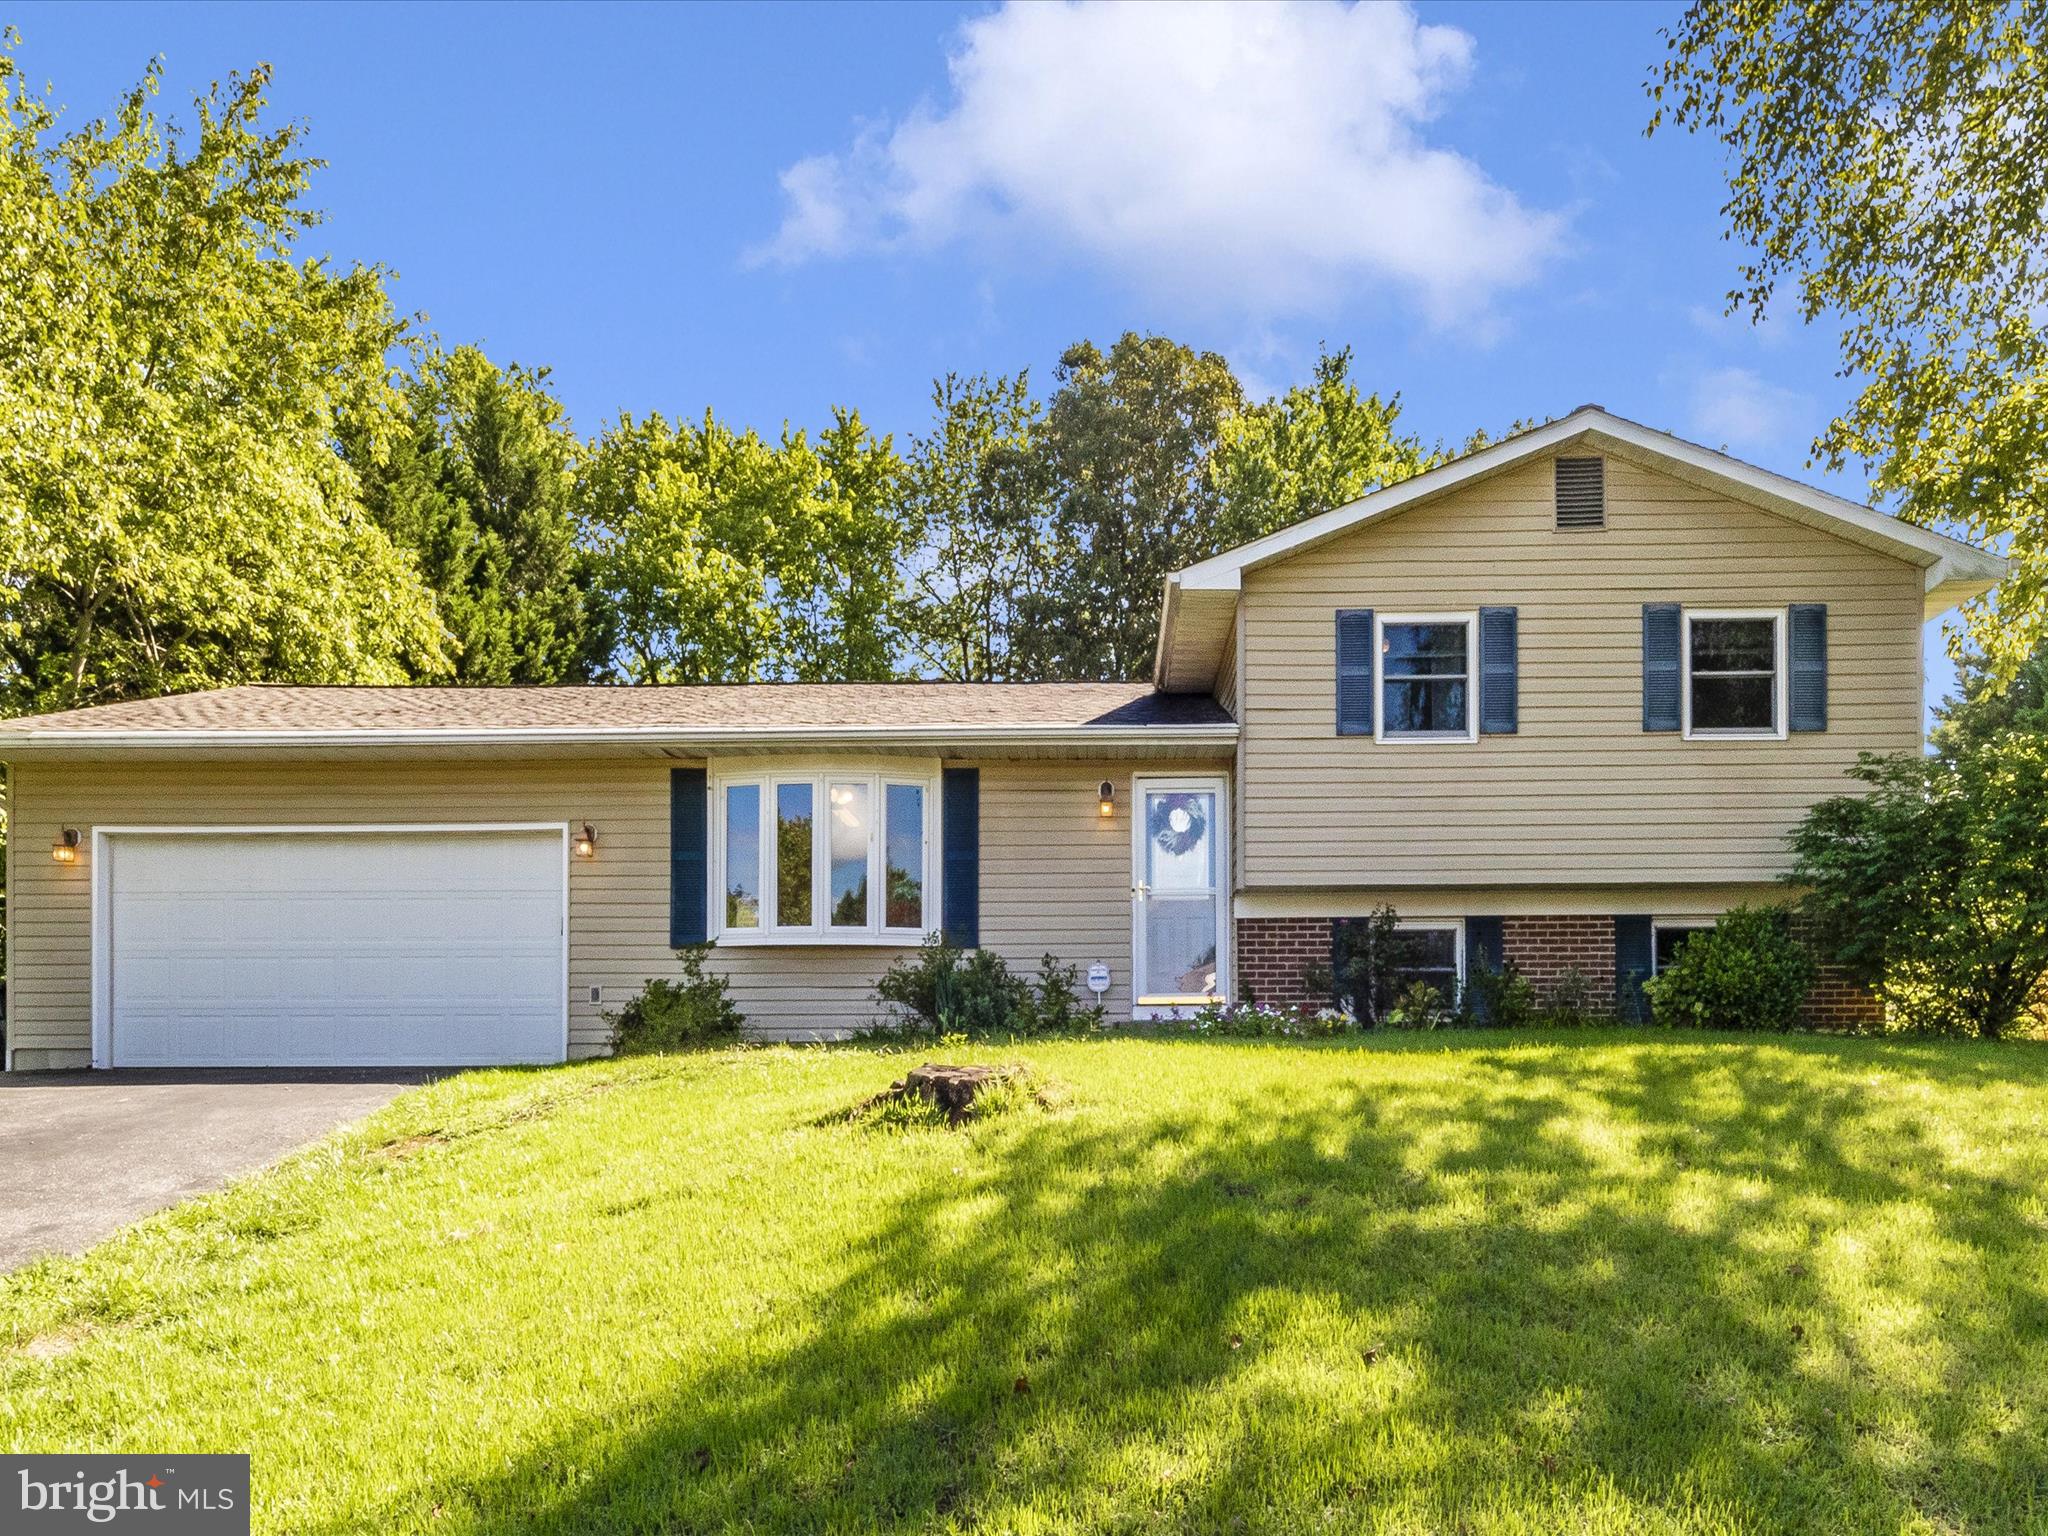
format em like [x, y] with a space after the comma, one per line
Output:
[952, 1089]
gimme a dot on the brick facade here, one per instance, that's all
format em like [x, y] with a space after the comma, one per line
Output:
[1273, 952]
[1548, 949]
[1836, 1002]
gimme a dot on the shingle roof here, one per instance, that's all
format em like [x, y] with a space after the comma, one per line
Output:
[744, 708]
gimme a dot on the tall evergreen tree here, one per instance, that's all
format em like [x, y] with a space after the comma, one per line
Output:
[477, 481]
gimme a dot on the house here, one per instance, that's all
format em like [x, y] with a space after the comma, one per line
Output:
[1555, 702]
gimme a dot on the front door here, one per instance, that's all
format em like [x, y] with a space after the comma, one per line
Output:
[1179, 888]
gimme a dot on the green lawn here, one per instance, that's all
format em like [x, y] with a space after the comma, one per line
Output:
[1459, 1284]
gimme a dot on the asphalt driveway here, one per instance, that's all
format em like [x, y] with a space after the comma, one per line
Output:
[82, 1153]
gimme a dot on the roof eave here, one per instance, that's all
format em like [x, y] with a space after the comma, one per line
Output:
[753, 738]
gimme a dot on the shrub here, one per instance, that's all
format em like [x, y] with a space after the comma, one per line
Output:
[1934, 885]
[677, 1015]
[1367, 951]
[1421, 1006]
[946, 990]
[1569, 1002]
[1055, 1007]
[1745, 972]
[1498, 997]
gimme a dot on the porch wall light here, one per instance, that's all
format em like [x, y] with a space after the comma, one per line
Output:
[1105, 799]
[585, 844]
[65, 849]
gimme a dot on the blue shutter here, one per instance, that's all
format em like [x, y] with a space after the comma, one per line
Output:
[1485, 946]
[1809, 657]
[1633, 956]
[1499, 711]
[960, 857]
[689, 881]
[1354, 672]
[1341, 996]
[1661, 630]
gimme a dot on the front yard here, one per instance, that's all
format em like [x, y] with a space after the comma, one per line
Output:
[1617, 1282]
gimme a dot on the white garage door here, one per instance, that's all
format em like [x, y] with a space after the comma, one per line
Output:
[334, 949]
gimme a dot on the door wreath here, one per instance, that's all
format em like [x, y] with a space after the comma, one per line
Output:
[1178, 823]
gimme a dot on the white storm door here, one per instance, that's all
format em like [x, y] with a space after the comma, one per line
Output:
[1180, 883]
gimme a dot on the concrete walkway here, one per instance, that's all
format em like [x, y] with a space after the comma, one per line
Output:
[85, 1153]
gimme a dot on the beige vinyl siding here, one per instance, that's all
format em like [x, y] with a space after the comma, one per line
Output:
[1582, 794]
[1226, 674]
[1054, 875]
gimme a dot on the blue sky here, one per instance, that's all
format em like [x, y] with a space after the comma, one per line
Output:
[776, 209]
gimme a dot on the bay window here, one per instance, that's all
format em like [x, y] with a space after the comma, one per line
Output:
[824, 856]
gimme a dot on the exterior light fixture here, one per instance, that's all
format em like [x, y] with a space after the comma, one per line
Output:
[65, 849]
[1105, 799]
[585, 845]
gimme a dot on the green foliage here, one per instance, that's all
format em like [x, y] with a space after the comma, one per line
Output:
[1990, 701]
[1419, 1006]
[173, 513]
[1890, 160]
[1933, 886]
[476, 477]
[1367, 951]
[1250, 1021]
[677, 1015]
[1498, 997]
[724, 557]
[972, 490]
[1746, 972]
[1123, 453]
[973, 994]
[1316, 447]
[1569, 1001]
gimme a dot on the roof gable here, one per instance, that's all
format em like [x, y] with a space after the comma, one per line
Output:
[1200, 597]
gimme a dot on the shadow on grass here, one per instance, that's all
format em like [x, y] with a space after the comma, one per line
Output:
[1522, 1295]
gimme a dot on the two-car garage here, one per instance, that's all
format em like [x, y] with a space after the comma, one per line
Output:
[375, 946]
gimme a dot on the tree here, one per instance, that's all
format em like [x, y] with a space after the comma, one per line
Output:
[1890, 161]
[1316, 447]
[1990, 703]
[973, 492]
[721, 556]
[173, 512]
[1934, 885]
[1123, 454]
[476, 479]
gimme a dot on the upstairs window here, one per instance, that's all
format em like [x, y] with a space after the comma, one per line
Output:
[1735, 670]
[824, 857]
[1426, 677]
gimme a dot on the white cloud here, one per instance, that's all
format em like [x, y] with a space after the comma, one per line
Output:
[1265, 158]
[1738, 406]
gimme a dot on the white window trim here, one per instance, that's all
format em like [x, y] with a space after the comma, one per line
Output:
[1451, 925]
[1380, 622]
[1686, 924]
[821, 777]
[1780, 683]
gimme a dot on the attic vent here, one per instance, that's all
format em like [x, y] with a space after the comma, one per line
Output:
[1581, 493]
